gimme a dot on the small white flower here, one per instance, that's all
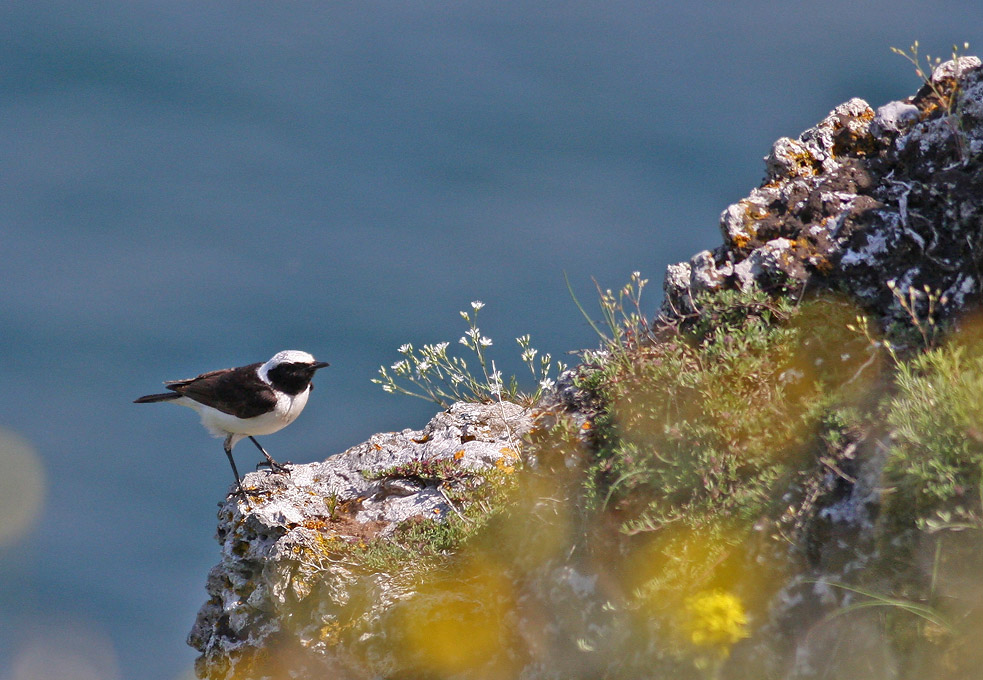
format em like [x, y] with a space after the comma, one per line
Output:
[388, 388]
[405, 349]
[441, 347]
[477, 304]
[485, 342]
[546, 384]
[423, 367]
[464, 341]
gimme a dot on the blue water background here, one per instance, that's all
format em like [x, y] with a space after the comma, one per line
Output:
[187, 186]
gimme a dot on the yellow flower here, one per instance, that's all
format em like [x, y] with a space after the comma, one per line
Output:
[715, 618]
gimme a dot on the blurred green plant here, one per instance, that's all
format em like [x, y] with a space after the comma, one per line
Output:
[702, 425]
[936, 456]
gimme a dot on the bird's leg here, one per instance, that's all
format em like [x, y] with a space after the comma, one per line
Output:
[275, 466]
[228, 452]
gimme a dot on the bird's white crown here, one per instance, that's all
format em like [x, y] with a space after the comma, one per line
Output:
[290, 356]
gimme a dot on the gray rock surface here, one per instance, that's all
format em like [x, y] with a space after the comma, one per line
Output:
[861, 199]
[278, 547]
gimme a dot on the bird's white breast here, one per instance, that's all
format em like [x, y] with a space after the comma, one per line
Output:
[221, 424]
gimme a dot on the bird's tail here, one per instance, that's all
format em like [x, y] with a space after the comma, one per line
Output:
[151, 398]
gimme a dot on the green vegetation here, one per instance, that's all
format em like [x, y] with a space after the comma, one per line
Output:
[696, 487]
[441, 470]
[935, 463]
[706, 425]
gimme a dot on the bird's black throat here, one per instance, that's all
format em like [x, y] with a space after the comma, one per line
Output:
[292, 378]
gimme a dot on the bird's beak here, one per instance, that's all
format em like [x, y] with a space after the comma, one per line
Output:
[320, 364]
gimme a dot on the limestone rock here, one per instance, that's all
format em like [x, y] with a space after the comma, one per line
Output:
[861, 199]
[279, 591]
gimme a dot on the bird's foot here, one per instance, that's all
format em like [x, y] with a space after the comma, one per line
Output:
[277, 468]
[245, 493]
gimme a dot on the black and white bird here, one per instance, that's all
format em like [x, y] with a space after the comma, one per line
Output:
[236, 403]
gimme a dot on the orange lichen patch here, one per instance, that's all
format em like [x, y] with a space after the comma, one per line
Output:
[753, 212]
[502, 466]
[316, 523]
[854, 139]
[804, 164]
[822, 264]
[345, 527]
[740, 241]
[859, 145]
[459, 454]
[508, 452]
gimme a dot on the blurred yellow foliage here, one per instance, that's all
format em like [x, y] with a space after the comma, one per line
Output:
[456, 624]
[716, 619]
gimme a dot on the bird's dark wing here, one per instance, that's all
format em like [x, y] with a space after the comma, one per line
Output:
[236, 391]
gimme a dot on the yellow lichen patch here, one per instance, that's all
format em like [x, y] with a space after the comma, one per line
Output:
[459, 454]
